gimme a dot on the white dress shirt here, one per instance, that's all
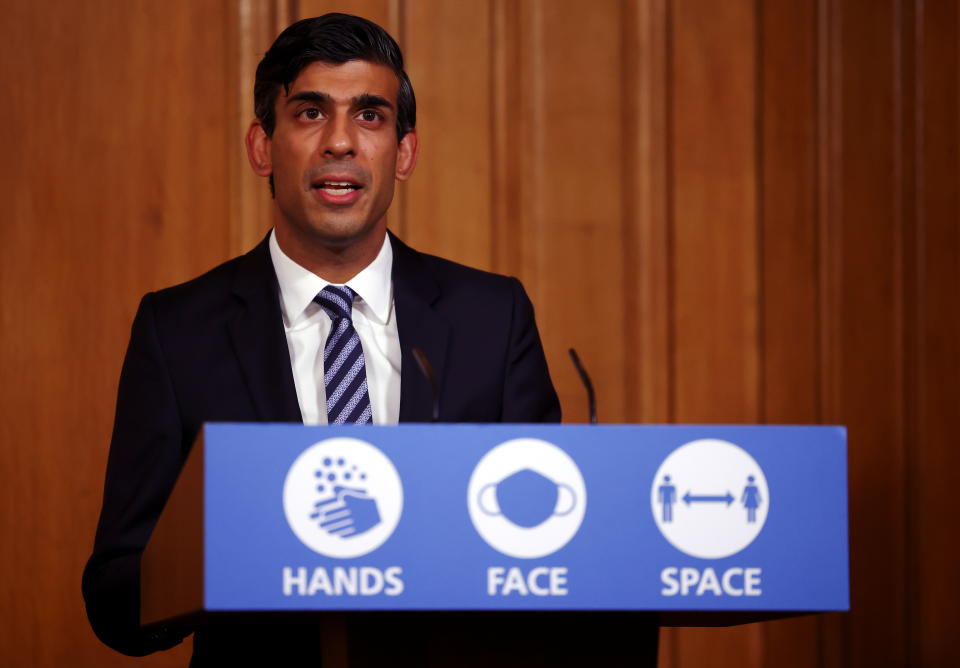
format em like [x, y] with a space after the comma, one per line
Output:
[307, 326]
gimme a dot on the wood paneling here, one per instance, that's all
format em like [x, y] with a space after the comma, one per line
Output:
[252, 27]
[738, 211]
[787, 235]
[647, 214]
[387, 13]
[714, 268]
[932, 318]
[449, 204]
[116, 183]
[572, 253]
[869, 330]
[713, 199]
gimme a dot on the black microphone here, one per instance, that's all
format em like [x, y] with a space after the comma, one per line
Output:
[585, 379]
[427, 371]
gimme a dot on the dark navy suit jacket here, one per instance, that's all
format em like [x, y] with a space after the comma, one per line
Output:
[214, 349]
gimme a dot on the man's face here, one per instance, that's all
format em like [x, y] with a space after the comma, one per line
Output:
[334, 153]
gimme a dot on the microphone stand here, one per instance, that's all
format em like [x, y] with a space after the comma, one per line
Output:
[585, 379]
[427, 371]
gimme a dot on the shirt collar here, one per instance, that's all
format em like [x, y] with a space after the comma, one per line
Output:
[298, 286]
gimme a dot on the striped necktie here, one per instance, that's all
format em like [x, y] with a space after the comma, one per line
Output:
[344, 370]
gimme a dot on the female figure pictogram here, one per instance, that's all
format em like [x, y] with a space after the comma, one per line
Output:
[751, 499]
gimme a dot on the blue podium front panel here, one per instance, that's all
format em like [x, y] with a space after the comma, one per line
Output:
[525, 517]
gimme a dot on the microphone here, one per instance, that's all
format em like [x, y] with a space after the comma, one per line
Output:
[427, 371]
[585, 379]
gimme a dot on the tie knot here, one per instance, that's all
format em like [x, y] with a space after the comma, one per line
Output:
[336, 301]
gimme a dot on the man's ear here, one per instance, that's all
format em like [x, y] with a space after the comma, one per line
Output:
[258, 149]
[407, 155]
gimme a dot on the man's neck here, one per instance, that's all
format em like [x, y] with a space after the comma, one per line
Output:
[331, 263]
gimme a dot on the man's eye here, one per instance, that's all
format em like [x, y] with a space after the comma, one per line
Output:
[311, 114]
[369, 116]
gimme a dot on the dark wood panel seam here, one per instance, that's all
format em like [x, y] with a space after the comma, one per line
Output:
[911, 328]
[760, 217]
[629, 82]
[669, 214]
[829, 118]
[496, 204]
[900, 38]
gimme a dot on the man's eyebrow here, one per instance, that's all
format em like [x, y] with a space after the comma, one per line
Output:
[371, 100]
[309, 96]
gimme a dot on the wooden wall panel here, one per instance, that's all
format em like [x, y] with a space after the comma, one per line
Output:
[116, 183]
[714, 275]
[833, 649]
[647, 215]
[787, 235]
[867, 234]
[714, 175]
[932, 315]
[737, 211]
[507, 135]
[572, 256]
[252, 25]
[449, 201]
[385, 12]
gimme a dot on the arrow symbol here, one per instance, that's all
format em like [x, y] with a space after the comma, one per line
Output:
[689, 498]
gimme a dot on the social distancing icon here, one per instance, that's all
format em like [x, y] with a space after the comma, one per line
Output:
[709, 498]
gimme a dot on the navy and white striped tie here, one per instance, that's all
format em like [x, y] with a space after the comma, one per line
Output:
[344, 369]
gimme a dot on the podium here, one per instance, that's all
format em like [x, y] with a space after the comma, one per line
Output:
[499, 528]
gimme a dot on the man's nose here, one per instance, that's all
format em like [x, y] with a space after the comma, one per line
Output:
[339, 140]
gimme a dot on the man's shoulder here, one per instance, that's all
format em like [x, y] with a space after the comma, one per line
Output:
[211, 285]
[450, 273]
[216, 289]
[218, 279]
[456, 279]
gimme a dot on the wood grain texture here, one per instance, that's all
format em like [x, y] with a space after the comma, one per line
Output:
[647, 216]
[787, 235]
[571, 236]
[387, 13]
[116, 184]
[932, 316]
[508, 115]
[714, 269]
[252, 27]
[449, 202]
[869, 331]
[714, 197]
[737, 211]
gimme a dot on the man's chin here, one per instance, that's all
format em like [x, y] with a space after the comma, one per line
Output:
[342, 235]
[348, 238]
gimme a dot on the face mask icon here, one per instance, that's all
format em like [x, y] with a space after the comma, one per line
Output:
[526, 498]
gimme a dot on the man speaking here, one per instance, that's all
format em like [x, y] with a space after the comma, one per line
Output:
[317, 324]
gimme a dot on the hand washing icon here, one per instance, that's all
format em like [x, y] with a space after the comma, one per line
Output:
[342, 497]
[527, 498]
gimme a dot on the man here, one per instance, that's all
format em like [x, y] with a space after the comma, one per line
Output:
[317, 324]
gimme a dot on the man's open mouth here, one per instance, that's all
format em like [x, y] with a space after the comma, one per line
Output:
[337, 188]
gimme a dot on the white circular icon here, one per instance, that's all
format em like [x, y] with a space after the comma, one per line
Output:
[342, 497]
[709, 498]
[526, 498]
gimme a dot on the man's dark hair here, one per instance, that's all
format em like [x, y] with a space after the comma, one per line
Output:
[331, 38]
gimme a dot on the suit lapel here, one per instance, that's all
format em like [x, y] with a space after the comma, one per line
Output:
[259, 341]
[415, 290]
